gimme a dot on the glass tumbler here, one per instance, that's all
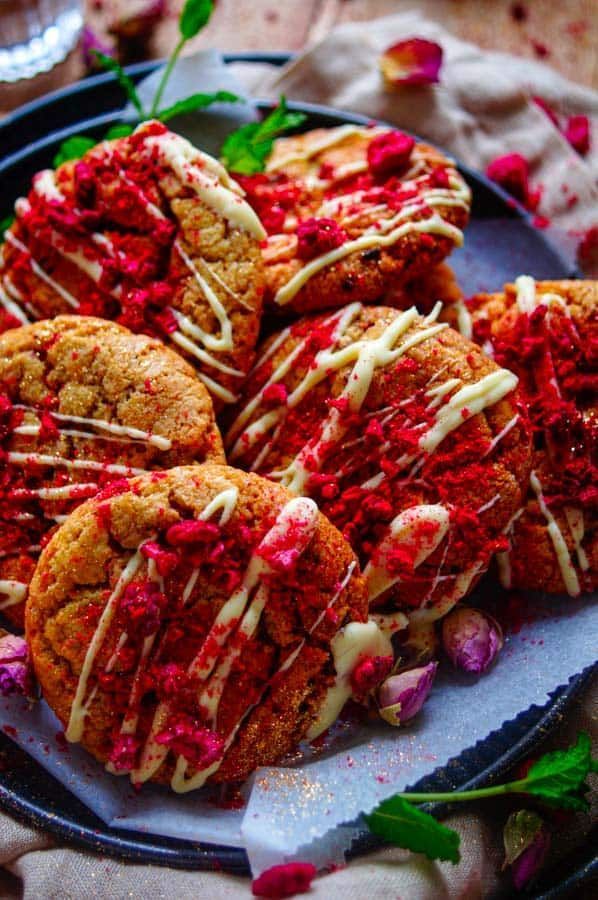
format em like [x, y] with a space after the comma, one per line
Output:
[35, 35]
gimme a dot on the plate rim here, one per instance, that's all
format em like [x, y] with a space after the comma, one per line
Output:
[180, 853]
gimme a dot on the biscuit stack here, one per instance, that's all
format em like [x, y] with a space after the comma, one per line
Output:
[189, 621]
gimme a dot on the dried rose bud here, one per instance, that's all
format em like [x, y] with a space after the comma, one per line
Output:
[527, 842]
[413, 61]
[284, 881]
[403, 695]
[577, 133]
[16, 675]
[472, 639]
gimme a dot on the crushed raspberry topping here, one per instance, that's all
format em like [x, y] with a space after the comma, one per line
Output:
[285, 880]
[123, 755]
[318, 236]
[275, 394]
[186, 737]
[166, 560]
[272, 197]
[389, 153]
[192, 531]
[369, 673]
[142, 604]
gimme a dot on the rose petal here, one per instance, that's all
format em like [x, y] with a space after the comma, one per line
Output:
[577, 133]
[284, 881]
[413, 61]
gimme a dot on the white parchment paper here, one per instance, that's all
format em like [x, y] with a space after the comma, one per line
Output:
[296, 811]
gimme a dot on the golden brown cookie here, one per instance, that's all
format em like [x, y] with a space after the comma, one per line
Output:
[149, 232]
[438, 285]
[188, 628]
[84, 403]
[412, 441]
[352, 212]
[547, 333]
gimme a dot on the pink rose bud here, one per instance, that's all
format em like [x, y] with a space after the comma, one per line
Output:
[472, 639]
[403, 695]
[16, 676]
[413, 61]
[527, 842]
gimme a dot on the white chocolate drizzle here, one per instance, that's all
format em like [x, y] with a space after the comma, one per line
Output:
[331, 138]
[370, 238]
[559, 543]
[208, 178]
[14, 592]
[405, 531]
[355, 641]
[44, 459]
[112, 428]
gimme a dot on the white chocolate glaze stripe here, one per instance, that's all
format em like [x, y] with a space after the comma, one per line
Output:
[558, 541]
[14, 591]
[434, 225]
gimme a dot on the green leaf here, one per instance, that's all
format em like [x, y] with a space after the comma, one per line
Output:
[6, 223]
[119, 131]
[558, 778]
[398, 822]
[245, 151]
[519, 833]
[73, 148]
[111, 65]
[195, 16]
[196, 101]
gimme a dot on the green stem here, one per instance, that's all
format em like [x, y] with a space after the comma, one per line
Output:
[166, 76]
[452, 796]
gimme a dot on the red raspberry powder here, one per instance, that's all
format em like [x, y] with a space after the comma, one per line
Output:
[390, 152]
[318, 236]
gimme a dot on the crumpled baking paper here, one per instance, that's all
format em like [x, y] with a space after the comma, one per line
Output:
[294, 812]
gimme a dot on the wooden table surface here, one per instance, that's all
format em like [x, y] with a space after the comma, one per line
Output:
[563, 33]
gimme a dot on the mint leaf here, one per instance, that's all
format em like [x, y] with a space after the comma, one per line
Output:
[73, 148]
[119, 131]
[398, 822]
[195, 16]
[111, 65]
[558, 778]
[5, 224]
[196, 101]
[245, 151]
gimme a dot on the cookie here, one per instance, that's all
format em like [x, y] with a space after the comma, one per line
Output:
[410, 439]
[438, 285]
[83, 403]
[196, 625]
[149, 232]
[352, 212]
[547, 333]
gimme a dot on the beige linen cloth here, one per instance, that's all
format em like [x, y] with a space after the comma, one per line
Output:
[480, 110]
